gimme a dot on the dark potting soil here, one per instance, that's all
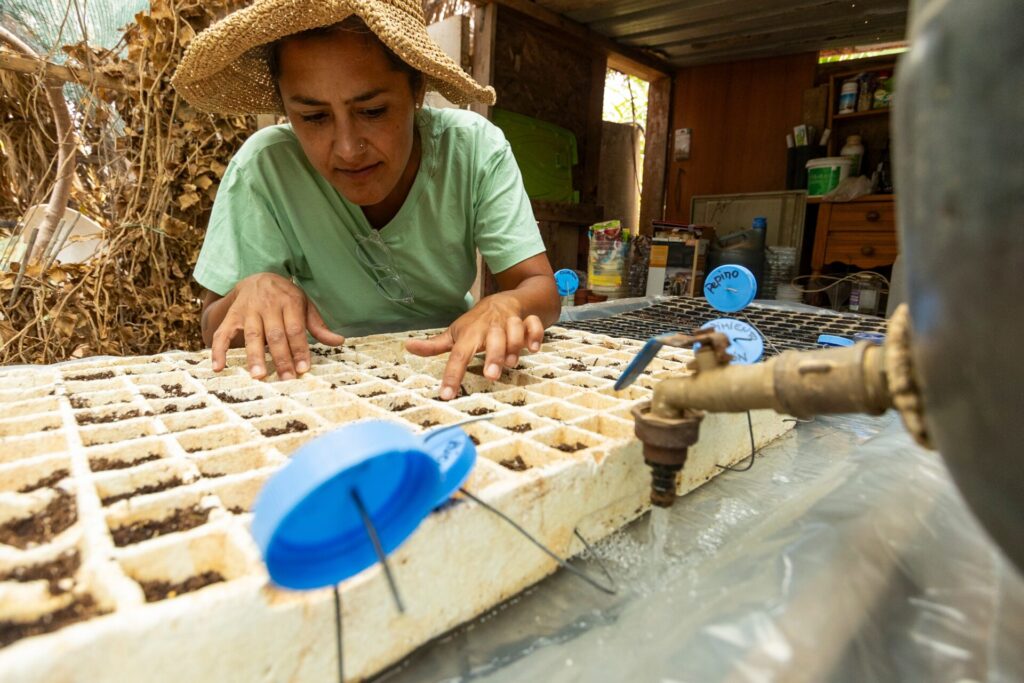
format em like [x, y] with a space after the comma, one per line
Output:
[374, 394]
[81, 609]
[162, 590]
[180, 520]
[290, 427]
[519, 403]
[46, 481]
[427, 424]
[228, 397]
[578, 367]
[105, 464]
[53, 572]
[571, 448]
[476, 441]
[41, 527]
[93, 419]
[143, 490]
[477, 412]
[174, 390]
[521, 428]
[90, 377]
[401, 406]
[515, 464]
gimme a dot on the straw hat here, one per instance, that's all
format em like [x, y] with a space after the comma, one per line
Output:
[225, 70]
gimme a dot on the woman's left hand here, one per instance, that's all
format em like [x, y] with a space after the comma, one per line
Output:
[496, 326]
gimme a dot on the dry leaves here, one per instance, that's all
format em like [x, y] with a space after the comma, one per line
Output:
[149, 166]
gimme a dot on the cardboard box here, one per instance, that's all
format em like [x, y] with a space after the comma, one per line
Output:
[678, 255]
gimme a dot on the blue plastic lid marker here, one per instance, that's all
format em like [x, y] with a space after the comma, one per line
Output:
[730, 288]
[307, 522]
[746, 345]
[567, 281]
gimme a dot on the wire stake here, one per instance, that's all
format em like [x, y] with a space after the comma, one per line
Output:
[379, 549]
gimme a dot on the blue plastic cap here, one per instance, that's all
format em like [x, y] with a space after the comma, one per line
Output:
[746, 345]
[760, 223]
[455, 454]
[730, 288]
[834, 340]
[873, 337]
[305, 521]
[567, 281]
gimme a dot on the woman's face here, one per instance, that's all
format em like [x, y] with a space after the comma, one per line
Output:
[353, 114]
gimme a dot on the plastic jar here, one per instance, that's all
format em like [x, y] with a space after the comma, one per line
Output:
[848, 97]
[854, 151]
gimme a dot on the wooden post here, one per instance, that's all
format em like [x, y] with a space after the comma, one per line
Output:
[652, 200]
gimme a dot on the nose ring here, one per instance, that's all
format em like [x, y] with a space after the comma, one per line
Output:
[362, 145]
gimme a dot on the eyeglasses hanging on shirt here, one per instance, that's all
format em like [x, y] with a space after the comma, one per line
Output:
[373, 253]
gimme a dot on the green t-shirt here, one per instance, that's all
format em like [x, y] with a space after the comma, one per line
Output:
[275, 213]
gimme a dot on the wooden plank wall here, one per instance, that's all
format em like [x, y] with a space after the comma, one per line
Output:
[740, 113]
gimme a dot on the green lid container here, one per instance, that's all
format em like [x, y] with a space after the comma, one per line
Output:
[545, 153]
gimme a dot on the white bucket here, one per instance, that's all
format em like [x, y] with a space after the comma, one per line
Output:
[823, 175]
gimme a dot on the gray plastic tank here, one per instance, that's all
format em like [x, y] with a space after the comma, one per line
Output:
[959, 165]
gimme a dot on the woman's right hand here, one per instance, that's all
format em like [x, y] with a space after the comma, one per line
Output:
[268, 310]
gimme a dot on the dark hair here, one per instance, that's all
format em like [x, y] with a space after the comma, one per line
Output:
[353, 24]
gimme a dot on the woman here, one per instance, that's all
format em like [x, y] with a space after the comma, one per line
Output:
[363, 214]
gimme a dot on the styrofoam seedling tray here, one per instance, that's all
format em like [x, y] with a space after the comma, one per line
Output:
[478, 405]
[167, 567]
[101, 434]
[370, 389]
[428, 417]
[397, 402]
[146, 479]
[630, 393]
[158, 509]
[237, 459]
[275, 406]
[32, 406]
[588, 382]
[148, 368]
[511, 421]
[31, 445]
[558, 411]
[73, 388]
[20, 426]
[475, 383]
[238, 492]
[131, 453]
[351, 412]
[607, 426]
[28, 379]
[17, 508]
[522, 453]
[393, 373]
[163, 407]
[211, 438]
[556, 389]
[594, 400]
[30, 474]
[519, 397]
[111, 414]
[195, 419]
[567, 439]
[100, 399]
[484, 433]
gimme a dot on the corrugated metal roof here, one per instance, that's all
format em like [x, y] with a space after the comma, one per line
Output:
[686, 32]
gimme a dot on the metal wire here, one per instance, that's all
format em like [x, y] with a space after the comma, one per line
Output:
[337, 633]
[753, 450]
[379, 549]
[564, 564]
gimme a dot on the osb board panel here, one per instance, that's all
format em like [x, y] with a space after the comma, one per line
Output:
[126, 487]
[740, 113]
[553, 77]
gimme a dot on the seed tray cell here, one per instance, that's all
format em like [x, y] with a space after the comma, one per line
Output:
[130, 453]
[353, 411]
[13, 448]
[152, 477]
[238, 493]
[521, 455]
[194, 419]
[607, 426]
[268, 407]
[561, 412]
[568, 439]
[97, 435]
[170, 512]
[518, 422]
[20, 426]
[33, 407]
[24, 476]
[237, 459]
[211, 438]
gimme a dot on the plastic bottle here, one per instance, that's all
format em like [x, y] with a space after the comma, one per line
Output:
[854, 150]
[848, 97]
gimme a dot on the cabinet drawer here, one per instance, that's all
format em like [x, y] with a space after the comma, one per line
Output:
[863, 249]
[880, 216]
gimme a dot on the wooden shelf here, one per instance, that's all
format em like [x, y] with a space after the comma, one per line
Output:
[861, 114]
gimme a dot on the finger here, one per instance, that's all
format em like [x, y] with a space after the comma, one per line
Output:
[515, 340]
[432, 346]
[255, 343]
[494, 357]
[295, 329]
[534, 332]
[318, 328]
[222, 341]
[277, 341]
[462, 352]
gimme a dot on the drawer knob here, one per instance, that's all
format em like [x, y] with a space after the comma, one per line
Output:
[867, 250]
[873, 216]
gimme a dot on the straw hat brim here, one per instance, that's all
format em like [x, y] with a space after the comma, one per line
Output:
[224, 69]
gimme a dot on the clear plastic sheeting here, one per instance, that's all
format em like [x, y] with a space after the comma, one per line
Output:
[845, 554]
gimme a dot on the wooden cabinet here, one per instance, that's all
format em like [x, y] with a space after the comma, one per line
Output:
[860, 233]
